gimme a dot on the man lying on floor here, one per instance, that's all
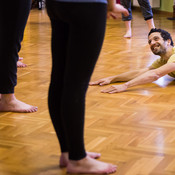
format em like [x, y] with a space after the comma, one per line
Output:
[161, 44]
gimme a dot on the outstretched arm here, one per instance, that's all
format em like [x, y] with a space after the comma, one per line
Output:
[114, 9]
[146, 77]
[121, 77]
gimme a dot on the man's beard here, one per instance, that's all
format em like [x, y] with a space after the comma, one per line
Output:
[158, 50]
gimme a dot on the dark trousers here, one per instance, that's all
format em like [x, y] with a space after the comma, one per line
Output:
[77, 36]
[145, 8]
[13, 18]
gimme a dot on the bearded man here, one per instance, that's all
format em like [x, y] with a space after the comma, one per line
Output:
[161, 43]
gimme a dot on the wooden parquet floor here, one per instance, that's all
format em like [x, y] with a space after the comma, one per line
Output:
[134, 129]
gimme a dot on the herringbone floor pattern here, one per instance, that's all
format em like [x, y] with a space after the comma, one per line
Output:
[134, 129]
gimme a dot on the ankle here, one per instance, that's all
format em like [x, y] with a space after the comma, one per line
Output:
[78, 162]
[64, 159]
[128, 31]
[7, 97]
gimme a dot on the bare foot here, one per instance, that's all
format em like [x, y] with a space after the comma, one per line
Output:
[128, 34]
[64, 159]
[20, 58]
[11, 104]
[20, 64]
[90, 165]
[93, 155]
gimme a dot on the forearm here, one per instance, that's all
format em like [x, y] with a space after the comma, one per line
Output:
[147, 77]
[127, 76]
[152, 75]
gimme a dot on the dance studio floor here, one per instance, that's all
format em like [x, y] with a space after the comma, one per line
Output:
[134, 129]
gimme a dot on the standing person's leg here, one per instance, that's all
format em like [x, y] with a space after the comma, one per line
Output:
[127, 19]
[147, 13]
[12, 27]
[60, 33]
[20, 64]
[76, 43]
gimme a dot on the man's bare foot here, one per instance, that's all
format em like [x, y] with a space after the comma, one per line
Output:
[91, 166]
[128, 34]
[64, 159]
[9, 103]
[20, 64]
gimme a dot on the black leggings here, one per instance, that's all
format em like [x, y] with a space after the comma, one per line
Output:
[13, 18]
[77, 36]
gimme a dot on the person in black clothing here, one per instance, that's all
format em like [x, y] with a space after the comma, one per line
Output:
[13, 18]
[77, 35]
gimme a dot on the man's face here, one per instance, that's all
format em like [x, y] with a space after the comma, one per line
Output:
[157, 45]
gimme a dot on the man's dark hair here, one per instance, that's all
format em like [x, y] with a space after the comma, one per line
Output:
[164, 34]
